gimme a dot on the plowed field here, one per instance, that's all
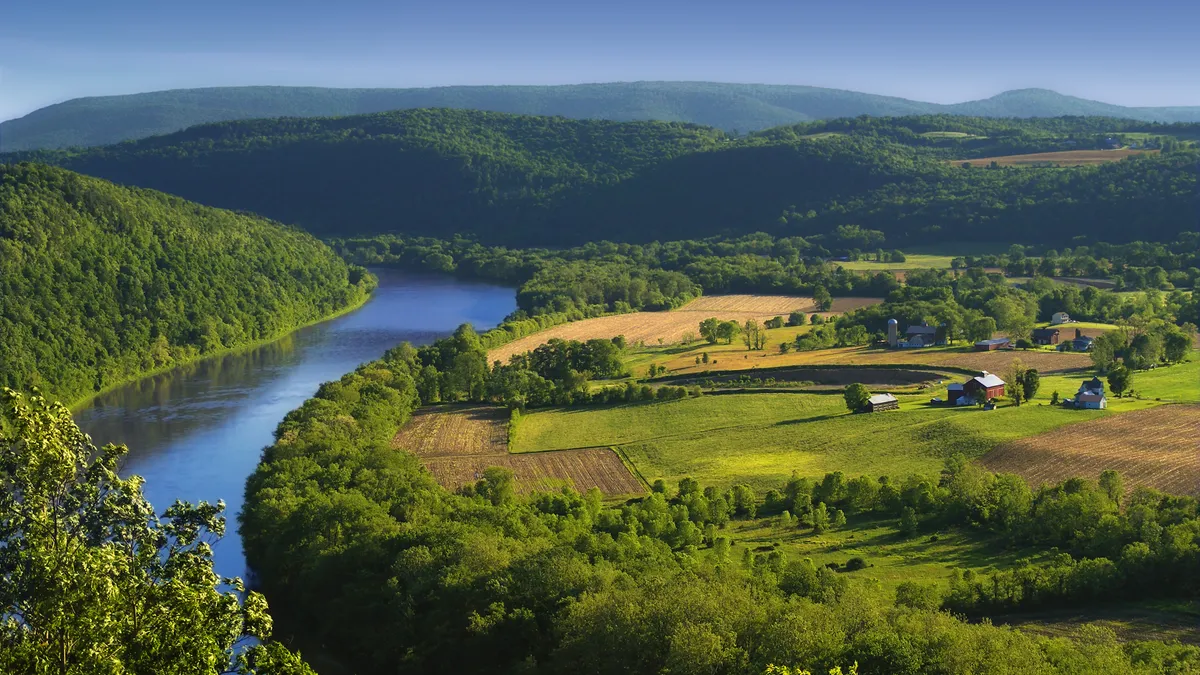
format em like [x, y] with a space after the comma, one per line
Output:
[671, 327]
[457, 443]
[1158, 448]
[1065, 158]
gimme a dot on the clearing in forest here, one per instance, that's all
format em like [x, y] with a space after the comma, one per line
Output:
[458, 442]
[1064, 158]
[1158, 447]
[671, 327]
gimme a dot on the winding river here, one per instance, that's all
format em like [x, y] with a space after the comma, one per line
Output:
[196, 433]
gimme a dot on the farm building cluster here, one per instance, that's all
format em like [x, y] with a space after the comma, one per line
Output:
[915, 336]
[984, 387]
[1089, 397]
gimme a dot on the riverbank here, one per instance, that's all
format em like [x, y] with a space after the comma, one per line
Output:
[80, 404]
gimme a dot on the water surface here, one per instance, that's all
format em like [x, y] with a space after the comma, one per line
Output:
[196, 433]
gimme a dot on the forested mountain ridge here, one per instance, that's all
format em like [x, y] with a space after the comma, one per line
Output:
[102, 120]
[99, 283]
[521, 180]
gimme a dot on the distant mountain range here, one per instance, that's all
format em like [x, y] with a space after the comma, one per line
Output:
[743, 107]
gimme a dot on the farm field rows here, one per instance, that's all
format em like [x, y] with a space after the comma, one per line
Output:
[457, 443]
[759, 439]
[1063, 158]
[1158, 447]
[671, 327]
[736, 357]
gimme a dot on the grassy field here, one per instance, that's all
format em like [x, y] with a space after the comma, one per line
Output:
[912, 262]
[1063, 158]
[760, 439]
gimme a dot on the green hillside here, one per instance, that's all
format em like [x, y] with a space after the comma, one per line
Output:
[745, 107]
[552, 181]
[99, 283]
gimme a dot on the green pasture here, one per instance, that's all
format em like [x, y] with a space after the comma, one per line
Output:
[913, 261]
[760, 439]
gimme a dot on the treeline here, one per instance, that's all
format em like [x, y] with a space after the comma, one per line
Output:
[519, 180]
[100, 283]
[386, 570]
[973, 305]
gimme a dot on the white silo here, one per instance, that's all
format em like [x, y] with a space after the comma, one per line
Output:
[893, 333]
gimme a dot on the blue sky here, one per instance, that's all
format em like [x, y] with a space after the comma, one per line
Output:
[1133, 53]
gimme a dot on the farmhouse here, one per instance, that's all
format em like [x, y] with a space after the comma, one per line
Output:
[1060, 318]
[881, 402]
[1090, 395]
[993, 344]
[1045, 336]
[1081, 343]
[985, 384]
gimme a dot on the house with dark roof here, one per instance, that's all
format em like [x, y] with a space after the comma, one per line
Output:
[1045, 336]
[1090, 396]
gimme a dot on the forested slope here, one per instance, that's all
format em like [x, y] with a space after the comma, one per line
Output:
[101, 120]
[551, 181]
[99, 283]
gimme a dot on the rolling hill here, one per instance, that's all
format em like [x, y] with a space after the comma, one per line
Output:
[524, 180]
[744, 107]
[99, 283]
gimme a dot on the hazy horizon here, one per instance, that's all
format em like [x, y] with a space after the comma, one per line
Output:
[57, 50]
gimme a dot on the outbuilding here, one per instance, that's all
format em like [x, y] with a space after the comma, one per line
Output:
[985, 384]
[882, 402]
[993, 344]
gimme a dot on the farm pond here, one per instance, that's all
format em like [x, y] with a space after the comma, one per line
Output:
[196, 433]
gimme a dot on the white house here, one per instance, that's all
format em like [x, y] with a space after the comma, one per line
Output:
[1091, 395]
[1060, 318]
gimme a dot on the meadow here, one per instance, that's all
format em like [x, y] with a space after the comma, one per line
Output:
[1060, 159]
[912, 261]
[761, 438]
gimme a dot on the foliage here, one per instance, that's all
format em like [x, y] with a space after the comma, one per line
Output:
[553, 181]
[95, 581]
[857, 397]
[100, 283]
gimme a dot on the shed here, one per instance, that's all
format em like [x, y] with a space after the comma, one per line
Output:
[993, 344]
[1060, 318]
[881, 402]
[1046, 336]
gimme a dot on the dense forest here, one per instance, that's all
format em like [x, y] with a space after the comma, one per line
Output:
[373, 562]
[99, 283]
[100, 120]
[518, 180]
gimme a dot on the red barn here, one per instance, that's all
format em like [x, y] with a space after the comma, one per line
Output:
[989, 384]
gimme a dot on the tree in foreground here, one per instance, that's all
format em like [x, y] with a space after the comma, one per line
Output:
[95, 582]
[857, 397]
[1119, 379]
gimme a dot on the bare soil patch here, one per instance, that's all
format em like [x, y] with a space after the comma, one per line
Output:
[824, 376]
[458, 442]
[1065, 158]
[581, 469]
[1158, 448]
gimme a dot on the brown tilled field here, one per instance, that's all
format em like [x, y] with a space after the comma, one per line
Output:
[1158, 448]
[671, 327]
[441, 431]
[458, 442]
[1065, 158]
[996, 362]
[582, 469]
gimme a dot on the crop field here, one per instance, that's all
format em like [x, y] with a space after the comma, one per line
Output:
[441, 431]
[1064, 158]
[671, 327]
[457, 443]
[759, 439]
[582, 469]
[1158, 448]
[736, 357]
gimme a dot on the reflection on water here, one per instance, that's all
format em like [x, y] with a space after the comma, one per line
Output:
[196, 432]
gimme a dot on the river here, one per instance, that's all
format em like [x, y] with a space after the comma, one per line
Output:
[196, 433]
